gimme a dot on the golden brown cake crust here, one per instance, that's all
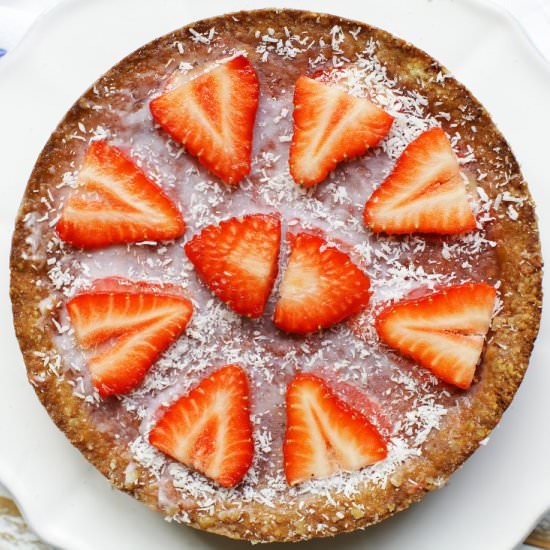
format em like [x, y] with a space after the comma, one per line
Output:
[505, 359]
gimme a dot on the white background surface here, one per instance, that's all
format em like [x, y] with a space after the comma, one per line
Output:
[495, 499]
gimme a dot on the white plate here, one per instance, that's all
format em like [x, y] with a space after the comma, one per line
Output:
[493, 501]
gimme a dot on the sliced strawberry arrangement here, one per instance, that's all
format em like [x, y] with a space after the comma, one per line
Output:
[133, 322]
[321, 286]
[324, 435]
[331, 125]
[238, 260]
[443, 331]
[209, 429]
[213, 116]
[425, 192]
[116, 203]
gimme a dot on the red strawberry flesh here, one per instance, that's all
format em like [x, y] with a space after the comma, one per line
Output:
[116, 203]
[321, 286]
[213, 116]
[209, 429]
[331, 125]
[238, 260]
[324, 435]
[133, 326]
[443, 331]
[424, 193]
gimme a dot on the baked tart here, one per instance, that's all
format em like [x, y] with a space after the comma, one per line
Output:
[276, 274]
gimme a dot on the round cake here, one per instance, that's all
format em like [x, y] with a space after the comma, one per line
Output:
[276, 274]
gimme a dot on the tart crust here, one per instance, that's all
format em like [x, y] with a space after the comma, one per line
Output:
[508, 346]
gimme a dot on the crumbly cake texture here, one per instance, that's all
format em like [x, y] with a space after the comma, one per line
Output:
[431, 428]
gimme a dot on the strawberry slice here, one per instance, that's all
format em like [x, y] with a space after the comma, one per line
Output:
[425, 192]
[238, 260]
[321, 286]
[331, 125]
[116, 203]
[213, 116]
[209, 429]
[134, 323]
[443, 331]
[324, 435]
